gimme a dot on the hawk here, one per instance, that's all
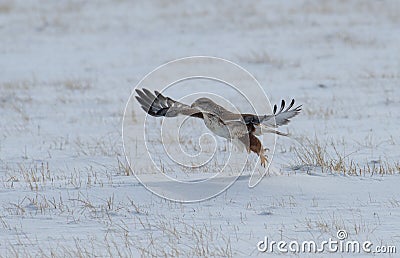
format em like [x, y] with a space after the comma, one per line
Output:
[239, 128]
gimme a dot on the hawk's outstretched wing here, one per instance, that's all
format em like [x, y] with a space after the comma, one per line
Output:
[282, 116]
[158, 105]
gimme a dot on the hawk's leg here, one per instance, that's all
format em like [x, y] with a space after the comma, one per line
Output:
[256, 147]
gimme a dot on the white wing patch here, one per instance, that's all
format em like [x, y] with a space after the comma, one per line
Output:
[282, 117]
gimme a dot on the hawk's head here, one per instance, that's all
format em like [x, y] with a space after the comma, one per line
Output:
[204, 104]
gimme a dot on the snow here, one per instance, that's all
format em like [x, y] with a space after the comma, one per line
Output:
[67, 69]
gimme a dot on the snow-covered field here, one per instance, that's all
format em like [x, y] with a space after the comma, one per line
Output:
[67, 69]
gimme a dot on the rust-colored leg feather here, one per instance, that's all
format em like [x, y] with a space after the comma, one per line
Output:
[255, 146]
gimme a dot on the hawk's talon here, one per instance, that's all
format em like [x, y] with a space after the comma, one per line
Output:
[263, 160]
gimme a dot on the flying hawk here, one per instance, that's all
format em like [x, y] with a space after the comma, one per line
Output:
[222, 122]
